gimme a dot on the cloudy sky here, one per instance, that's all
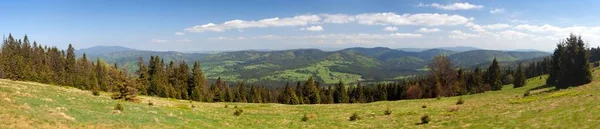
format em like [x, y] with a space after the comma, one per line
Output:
[213, 25]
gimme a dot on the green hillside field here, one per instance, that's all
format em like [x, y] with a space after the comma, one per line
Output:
[34, 105]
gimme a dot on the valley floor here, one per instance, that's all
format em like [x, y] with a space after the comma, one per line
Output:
[34, 105]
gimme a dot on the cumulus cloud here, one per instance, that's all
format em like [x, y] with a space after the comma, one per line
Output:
[179, 33]
[494, 11]
[300, 20]
[159, 41]
[496, 26]
[313, 28]
[427, 19]
[337, 18]
[453, 6]
[457, 34]
[390, 28]
[426, 30]
[561, 32]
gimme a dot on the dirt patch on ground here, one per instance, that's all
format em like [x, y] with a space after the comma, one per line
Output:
[60, 112]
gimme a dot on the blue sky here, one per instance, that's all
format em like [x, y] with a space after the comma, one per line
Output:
[285, 24]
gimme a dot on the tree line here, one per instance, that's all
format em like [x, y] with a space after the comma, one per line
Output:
[20, 60]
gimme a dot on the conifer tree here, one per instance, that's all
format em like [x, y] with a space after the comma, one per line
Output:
[519, 79]
[340, 94]
[312, 91]
[143, 76]
[494, 76]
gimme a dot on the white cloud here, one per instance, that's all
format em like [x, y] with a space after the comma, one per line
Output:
[496, 26]
[183, 40]
[313, 28]
[426, 30]
[300, 20]
[337, 18]
[390, 28]
[494, 11]
[453, 6]
[562, 32]
[426, 19]
[159, 41]
[511, 34]
[457, 34]
[179, 33]
[220, 38]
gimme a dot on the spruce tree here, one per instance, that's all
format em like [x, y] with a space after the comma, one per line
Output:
[519, 79]
[494, 76]
[341, 93]
[312, 91]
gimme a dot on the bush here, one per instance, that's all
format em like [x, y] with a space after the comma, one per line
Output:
[238, 112]
[235, 106]
[460, 101]
[226, 106]
[119, 107]
[425, 119]
[526, 94]
[305, 118]
[193, 106]
[95, 92]
[354, 117]
[387, 112]
[424, 106]
[150, 103]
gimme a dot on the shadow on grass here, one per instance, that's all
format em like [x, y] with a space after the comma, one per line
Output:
[541, 87]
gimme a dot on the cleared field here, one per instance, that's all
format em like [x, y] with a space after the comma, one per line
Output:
[34, 105]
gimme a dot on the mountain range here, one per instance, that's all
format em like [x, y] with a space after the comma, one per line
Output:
[348, 65]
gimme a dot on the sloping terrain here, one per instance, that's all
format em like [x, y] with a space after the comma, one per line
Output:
[34, 105]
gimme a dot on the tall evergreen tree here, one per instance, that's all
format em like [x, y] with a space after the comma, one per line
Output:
[312, 91]
[520, 78]
[341, 93]
[494, 76]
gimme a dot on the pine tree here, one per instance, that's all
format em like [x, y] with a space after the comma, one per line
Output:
[70, 66]
[143, 76]
[570, 64]
[198, 83]
[519, 79]
[312, 91]
[494, 76]
[340, 94]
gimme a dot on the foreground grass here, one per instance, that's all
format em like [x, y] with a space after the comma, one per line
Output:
[34, 105]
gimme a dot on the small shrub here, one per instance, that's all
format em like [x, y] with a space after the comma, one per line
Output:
[425, 119]
[354, 117]
[238, 112]
[95, 92]
[460, 101]
[438, 98]
[424, 106]
[526, 94]
[235, 106]
[150, 103]
[387, 112]
[226, 106]
[305, 118]
[119, 107]
[193, 106]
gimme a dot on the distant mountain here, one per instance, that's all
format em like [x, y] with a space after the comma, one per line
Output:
[101, 50]
[456, 49]
[349, 65]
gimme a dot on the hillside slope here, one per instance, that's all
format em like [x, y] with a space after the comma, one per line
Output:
[34, 105]
[349, 65]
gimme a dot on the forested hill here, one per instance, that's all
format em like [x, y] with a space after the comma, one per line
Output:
[349, 65]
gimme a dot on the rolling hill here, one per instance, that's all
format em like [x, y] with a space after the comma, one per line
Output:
[349, 65]
[35, 105]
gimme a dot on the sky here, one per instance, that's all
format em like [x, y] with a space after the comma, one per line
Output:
[219, 25]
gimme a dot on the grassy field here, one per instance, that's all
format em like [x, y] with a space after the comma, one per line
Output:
[34, 105]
